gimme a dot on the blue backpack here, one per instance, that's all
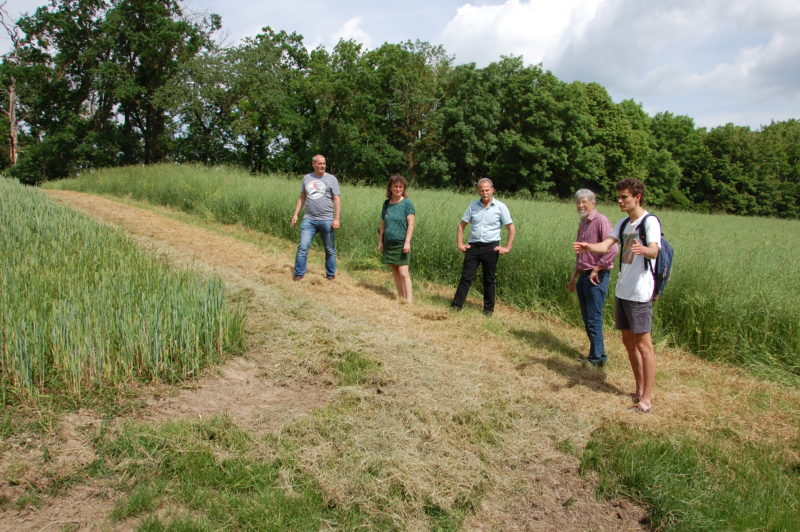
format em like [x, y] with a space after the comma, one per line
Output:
[663, 263]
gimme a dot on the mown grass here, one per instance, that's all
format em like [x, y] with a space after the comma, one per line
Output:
[650, 468]
[730, 299]
[210, 475]
[84, 309]
[711, 483]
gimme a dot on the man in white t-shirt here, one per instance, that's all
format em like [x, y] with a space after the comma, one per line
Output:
[635, 285]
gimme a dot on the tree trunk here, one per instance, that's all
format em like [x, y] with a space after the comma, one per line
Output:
[12, 121]
[13, 33]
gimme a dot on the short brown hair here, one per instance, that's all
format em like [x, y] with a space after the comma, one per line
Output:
[396, 178]
[635, 186]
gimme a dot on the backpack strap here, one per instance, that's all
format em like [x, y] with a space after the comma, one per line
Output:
[643, 238]
[621, 232]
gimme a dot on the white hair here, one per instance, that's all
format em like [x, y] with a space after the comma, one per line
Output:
[585, 193]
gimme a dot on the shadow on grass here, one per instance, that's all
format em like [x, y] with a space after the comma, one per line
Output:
[380, 290]
[578, 374]
[439, 300]
[546, 339]
[443, 301]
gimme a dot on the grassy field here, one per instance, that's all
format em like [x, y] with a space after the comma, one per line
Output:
[697, 482]
[83, 308]
[452, 421]
[730, 298]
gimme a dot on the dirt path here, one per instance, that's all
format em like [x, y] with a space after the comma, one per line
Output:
[515, 367]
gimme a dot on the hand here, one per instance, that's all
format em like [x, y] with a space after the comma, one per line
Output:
[571, 285]
[463, 247]
[580, 247]
[637, 247]
[501, 250]
[294, 220]
[406, 248]
[336, 224]
[594, 277]
[380, 246]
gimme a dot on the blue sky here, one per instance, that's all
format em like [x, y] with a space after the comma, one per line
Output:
[717, 61]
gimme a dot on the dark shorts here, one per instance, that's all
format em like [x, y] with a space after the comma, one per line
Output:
[393, 254]
[634, 316]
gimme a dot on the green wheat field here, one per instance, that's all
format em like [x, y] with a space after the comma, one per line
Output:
[731, 297]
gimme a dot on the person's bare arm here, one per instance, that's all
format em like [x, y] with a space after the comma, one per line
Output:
[409, 234]
[512, 232]
[337, 212]
[598, 248]
[650, 251]
[301, 199]
[460, 237]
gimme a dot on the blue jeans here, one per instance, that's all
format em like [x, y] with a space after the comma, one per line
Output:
[592, 298]
[308, 228]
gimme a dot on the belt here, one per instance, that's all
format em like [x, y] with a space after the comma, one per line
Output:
[483, 244]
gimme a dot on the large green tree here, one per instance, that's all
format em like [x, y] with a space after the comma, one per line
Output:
[89, 78]
[269, 69]
[777, 169]
[65, 114]
[149, 40]
[468, 120]
[105, 82]
[406, 81]
[202, 104]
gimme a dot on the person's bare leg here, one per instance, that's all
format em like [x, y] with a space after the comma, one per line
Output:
[647, 357]
[631, 345]
[405, 281]
[398, 280]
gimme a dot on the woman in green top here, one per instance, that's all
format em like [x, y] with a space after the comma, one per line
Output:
[397, 226]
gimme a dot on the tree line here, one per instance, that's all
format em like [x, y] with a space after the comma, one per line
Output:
[114, 82]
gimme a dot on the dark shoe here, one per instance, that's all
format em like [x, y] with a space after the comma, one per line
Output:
[596, 363]
[488, 312]
[298, 278]
[455, 308]
[331, 277]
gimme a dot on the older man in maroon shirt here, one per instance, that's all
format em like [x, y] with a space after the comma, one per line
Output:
[592, 272]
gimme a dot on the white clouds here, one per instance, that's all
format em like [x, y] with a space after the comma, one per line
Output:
[351, 30]
[684, 56]
[705, 58]
[770, 68]
[533, 29]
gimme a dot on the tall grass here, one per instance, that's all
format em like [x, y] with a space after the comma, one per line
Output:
[731, 297]
[712, 485]
[83, 307]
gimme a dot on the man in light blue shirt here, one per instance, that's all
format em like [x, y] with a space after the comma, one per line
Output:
[486, 217]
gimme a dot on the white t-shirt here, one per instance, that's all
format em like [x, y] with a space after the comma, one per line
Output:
[635, 282]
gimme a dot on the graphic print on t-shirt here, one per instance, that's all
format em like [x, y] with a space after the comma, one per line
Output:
[315, 189]
[627, 243]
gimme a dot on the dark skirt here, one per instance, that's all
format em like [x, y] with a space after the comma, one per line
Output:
[393, 254]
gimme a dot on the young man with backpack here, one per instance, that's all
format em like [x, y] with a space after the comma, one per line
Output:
[636, 284]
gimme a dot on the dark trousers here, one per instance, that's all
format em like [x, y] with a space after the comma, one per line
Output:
[485, 255]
